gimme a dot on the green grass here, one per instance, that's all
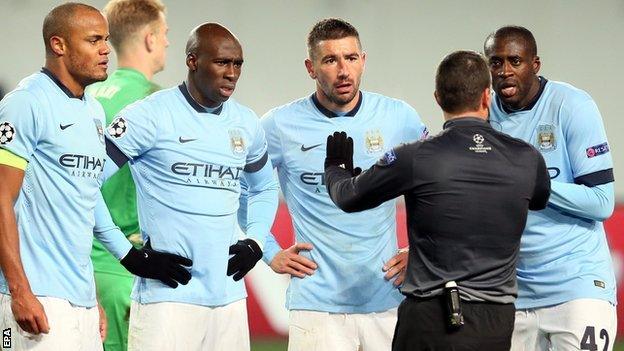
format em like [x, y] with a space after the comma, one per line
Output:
[281, 345]
[270, 345]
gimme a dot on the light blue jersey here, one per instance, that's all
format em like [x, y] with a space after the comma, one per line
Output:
[349, 249]
[61, 137]
[187, 164]
[564, 253]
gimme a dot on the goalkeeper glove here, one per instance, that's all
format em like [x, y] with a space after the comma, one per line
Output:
[246, 254]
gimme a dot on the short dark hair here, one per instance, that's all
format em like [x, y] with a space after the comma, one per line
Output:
[330, 29]
[513, 32]
[461, 78]
[58, 21]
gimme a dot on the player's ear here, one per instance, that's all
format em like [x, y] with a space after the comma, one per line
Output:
[191, 61]
[58, 45]
[437, 99]
[537, 64]
[310, 68]
[363, 61]
[150, 41]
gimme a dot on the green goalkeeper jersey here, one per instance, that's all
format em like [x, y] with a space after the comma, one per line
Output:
[123, 87]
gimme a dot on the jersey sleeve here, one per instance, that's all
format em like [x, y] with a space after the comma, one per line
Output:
[20, 131]
[390, 177]
[414, 129]
[587, 145]
[274, 146]
[134, 131]
[257, 155]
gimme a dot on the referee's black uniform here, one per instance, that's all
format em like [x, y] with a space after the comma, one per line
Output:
[467, 193]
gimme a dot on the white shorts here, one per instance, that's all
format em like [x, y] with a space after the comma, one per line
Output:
[72, 328]
[323, 331]
[582, 324]
[184, 327]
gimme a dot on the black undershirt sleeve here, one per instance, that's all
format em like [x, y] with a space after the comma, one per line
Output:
[596, 178]
[376, 185]
[115, 154]
[257, 165]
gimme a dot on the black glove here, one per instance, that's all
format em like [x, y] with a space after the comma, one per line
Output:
[166, 267]
[246, 254]
[340, 152]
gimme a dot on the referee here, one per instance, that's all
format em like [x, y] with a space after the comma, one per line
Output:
[467, 193]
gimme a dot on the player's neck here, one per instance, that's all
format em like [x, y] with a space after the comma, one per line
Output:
[141, 64]
[196, 94]
[62, 74]
[334, 107]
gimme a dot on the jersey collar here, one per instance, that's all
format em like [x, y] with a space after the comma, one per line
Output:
[465, 122]
[530, 106]
[330, 113]
[194, 104]
[61, 86]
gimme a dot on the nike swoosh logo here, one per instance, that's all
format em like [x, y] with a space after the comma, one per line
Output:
[182, 140]
[63, 127]
[304, 149]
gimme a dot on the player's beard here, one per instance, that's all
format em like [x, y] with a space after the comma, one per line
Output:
[341, 99]
[85, 71]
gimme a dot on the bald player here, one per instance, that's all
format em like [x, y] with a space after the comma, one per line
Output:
[51, 158]
[188, 148]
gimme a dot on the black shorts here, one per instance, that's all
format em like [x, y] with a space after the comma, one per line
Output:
[422, 325]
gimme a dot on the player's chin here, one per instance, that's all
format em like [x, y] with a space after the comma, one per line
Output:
[511, 101]
[99, 75]
[344, 99]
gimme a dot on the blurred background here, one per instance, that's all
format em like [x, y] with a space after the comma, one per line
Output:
[579, 42]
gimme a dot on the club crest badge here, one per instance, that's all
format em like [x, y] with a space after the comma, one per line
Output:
[99, 129]
[546, 138]
[237, 143]
[374, 141]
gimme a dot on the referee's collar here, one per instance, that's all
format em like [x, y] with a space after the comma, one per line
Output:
[60, 84]
[466, 121]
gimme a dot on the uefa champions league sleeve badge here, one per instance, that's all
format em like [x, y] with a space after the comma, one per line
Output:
[118, 128]
[7, 133]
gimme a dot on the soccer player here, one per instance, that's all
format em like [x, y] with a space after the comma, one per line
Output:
[467, 194]
[138, 32]
[188, 147]
[339, 297]
[51, 157]
[566, 298]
